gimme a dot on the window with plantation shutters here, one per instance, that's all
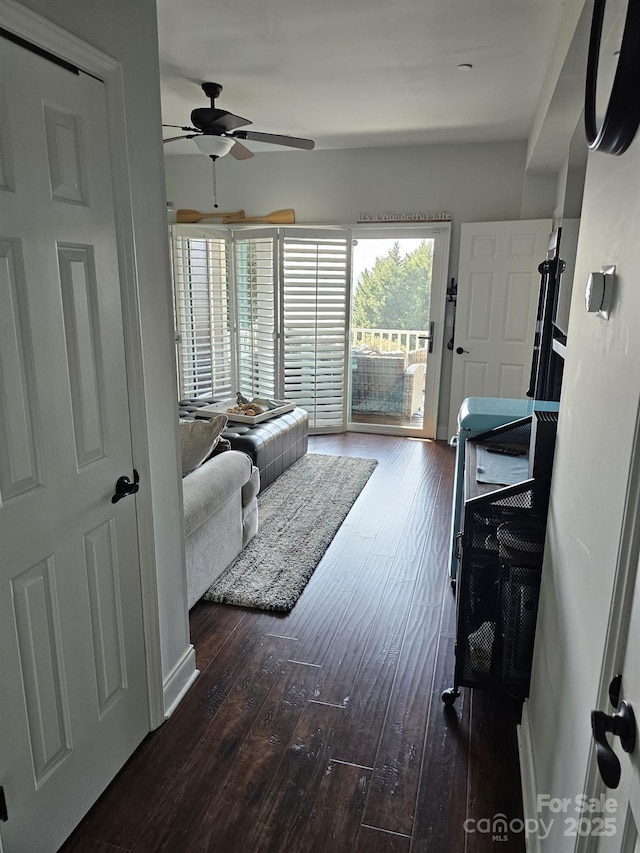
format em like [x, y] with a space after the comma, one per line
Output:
[315, 275]
[256, 312]
[264, 312]
[202, 295]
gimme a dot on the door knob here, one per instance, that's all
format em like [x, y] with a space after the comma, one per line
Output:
[622, 724]
[125, 487]
[459, 350]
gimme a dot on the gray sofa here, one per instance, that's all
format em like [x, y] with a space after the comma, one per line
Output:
[220, 515]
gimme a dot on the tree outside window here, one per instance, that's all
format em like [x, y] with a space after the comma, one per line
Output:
[395, 293]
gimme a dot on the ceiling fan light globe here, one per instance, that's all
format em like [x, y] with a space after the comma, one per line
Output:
[214, 146]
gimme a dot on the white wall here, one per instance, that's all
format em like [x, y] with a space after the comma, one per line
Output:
[128, 32]
[598, 417]
[571, 175]
[474, 183]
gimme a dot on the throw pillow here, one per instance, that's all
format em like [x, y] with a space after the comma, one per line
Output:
[198, 439]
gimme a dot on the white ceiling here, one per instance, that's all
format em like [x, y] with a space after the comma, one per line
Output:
[360, 73]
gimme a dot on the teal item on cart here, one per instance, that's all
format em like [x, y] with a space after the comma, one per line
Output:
[478, 415]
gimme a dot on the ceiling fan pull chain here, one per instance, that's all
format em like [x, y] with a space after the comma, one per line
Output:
[215, 191]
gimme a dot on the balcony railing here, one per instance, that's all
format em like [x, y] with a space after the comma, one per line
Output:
[389, 340]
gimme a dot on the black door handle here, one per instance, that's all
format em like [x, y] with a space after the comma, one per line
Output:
[125, 487]
[428, 337]
[459, 350]
[622, 724]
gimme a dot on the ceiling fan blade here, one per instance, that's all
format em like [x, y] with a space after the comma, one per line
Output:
[276, 139]
[188, 136]
[211, 120]
[230, 122]
[241, 152]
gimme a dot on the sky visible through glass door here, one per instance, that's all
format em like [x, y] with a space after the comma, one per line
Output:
[365, 252]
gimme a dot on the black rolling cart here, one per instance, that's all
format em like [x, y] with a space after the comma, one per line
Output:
[501, 546]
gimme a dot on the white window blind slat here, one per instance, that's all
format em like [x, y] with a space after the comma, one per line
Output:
[256, 297]
[315, 277]
[202, 303]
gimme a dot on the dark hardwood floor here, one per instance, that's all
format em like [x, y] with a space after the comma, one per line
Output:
[323, 729]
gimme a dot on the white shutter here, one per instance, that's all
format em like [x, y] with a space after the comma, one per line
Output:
[315, 278]
[256, 312]
[268, 319]
[203, 316]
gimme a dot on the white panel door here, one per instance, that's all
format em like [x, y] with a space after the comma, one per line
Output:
[72, 668]
[498, 287]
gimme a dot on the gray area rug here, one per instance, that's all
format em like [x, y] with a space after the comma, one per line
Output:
[299, 514]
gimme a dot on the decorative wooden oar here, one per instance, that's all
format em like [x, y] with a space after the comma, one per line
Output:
[188, 217]
[278, 217]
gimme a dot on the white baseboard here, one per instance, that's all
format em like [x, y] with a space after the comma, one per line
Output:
[179, 681]
[442, 433]
[528, 778]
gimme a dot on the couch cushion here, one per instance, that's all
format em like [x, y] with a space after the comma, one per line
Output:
[251, 487]
[210, 486]
[198, 439]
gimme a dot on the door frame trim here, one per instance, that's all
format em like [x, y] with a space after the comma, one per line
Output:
[624, 584]
[43, 33]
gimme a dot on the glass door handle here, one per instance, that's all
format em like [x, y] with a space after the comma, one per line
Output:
[428, 337]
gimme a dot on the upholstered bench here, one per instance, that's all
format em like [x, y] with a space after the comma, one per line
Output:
[273, 445]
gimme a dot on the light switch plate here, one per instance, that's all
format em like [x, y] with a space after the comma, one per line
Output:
[599, 291]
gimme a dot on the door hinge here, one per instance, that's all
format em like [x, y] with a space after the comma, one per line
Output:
[3, 805]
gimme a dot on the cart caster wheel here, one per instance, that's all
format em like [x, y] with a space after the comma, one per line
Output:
[450, 695]
[453, 584]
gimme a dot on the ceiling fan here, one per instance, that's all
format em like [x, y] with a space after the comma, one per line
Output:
[216, 134]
